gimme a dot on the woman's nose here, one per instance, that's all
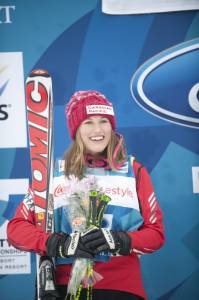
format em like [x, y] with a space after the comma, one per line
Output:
[97, 127]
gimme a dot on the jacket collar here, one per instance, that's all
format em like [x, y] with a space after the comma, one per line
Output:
[100, 162]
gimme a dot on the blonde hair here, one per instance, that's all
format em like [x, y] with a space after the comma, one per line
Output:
[74, 157]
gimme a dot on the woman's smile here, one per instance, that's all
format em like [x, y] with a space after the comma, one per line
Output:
[95, 133]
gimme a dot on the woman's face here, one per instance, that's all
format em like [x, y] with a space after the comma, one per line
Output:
[95, 133]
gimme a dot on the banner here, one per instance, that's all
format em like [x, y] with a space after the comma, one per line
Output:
[12, 101]
[126, 7]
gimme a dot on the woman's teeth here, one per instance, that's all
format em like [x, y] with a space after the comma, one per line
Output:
[97, 138]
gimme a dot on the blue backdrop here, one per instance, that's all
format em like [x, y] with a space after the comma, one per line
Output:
[148, 65]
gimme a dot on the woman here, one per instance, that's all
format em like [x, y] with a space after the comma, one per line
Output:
[132, 221]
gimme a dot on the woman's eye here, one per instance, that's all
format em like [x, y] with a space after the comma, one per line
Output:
[87, 122]
[104, 120]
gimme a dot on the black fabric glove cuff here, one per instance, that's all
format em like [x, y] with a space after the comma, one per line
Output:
[54, 244]
[122, 243]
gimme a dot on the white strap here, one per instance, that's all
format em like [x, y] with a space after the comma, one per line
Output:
[109, 238]
[73, 243]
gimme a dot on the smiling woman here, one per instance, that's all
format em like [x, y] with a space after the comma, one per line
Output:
[95, 133]
[91, 123]
[105, 210]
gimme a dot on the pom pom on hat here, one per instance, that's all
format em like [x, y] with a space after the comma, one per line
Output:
[84, 104]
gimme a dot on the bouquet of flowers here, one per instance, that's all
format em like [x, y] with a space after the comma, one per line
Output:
[86, 206]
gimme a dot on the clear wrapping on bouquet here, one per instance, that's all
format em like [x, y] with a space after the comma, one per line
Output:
[85, 207]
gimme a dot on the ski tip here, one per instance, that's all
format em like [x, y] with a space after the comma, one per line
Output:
[39, 72]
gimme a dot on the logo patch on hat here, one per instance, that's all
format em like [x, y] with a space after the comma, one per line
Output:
[99, 109]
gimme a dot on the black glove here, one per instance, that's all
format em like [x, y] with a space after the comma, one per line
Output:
[67, 245]
[97, 240]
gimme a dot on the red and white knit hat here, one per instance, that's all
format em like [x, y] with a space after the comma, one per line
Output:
[84, 104]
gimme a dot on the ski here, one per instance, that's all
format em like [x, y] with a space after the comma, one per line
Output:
[39, 115]
[39, 102]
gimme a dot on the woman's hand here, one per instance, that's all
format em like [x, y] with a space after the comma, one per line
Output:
[67, 245]
[97, 240]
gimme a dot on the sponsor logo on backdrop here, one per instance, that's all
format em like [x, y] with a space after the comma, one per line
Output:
[12, 261]
[3, 107]
[6, 14]
[12, 101]
[167, 84]
[3, 111]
